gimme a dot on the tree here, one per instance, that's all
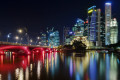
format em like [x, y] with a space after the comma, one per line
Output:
[67, 46]
[78, 45]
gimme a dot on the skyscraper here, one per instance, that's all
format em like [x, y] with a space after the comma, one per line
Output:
[66, 31]
[86, 28]
[53, 38]
[78, 27]
[43, 41]
[100, 29]
[92, 24]
[107, 23]
[114, 31]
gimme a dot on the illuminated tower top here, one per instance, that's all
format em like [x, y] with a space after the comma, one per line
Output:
[108, 3]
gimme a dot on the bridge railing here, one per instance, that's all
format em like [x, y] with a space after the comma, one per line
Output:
[19, 44]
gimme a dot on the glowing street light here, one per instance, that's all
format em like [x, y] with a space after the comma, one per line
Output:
[17, 38]
[8, 36]
[38, 37]
[31, 40]
[20, 31]
[39, 42]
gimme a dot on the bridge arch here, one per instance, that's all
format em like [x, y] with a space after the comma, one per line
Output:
[12, 48]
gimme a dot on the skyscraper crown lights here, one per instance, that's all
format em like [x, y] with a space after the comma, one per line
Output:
[80, 21]
[92, 7]
[108, 3]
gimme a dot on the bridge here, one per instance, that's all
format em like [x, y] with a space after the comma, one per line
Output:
[16, 48]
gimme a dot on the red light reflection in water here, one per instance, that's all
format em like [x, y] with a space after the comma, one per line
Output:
[24, 48]
[13, 58]
[19, 61]
[1, 59]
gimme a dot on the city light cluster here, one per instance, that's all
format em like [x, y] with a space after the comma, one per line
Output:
[99, 29]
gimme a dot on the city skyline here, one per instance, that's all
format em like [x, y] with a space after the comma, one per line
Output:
[33, 14]
[59, 40]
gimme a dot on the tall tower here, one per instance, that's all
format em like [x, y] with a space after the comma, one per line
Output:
[66, 31]
[100, 29]
[98, 26]
[92, 24]
[114, 31]
[107, 23]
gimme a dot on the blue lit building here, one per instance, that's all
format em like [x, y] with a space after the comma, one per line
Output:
[53, 38]
[69, 38]
[43, 41]
[78, 28]
[92, 23]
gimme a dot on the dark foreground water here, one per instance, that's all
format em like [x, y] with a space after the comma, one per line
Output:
[60, 66]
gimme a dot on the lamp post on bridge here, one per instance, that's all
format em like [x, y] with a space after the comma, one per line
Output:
[24, 31]
[31, 41]
[17, 38]
[28, 40]
[38, 38]
[8, 36]
[20, 31]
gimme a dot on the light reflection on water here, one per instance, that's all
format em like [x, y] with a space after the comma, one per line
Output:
[60, 66]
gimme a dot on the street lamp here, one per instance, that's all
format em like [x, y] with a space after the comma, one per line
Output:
[20, 31]
[27, 38]
[31, 41]
[38, 38]
[39, 43]
[8, 36]
[17, 38]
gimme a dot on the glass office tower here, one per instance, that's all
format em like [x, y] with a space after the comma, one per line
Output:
[107, 23]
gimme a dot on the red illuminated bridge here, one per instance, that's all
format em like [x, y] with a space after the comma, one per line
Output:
[23, 49]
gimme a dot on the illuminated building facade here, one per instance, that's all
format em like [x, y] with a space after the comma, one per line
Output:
[96, 27]
[92, 23]
[86, 28]
[114, 31]
[107, 23]
[100, 29]
[66, 31]
[69, 37]
[43, 38]
[78, 28]
[53, 38]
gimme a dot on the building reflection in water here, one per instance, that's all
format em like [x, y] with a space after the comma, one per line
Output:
[38, 70]
[9, 76]
[92, 66]
[27, 74]
[16, 73]
[21, 74]
[113, 68]
[0, 77]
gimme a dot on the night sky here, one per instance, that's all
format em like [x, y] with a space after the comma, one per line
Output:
[37, 15]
